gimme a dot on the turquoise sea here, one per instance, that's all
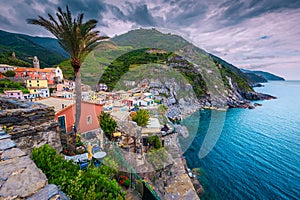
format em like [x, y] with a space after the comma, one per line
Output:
[257, 155]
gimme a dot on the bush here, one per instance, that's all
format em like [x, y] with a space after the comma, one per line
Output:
[107, 124]
[154, 141]
[6, 84]
[157, 101]
[9, 73]
[94, 183]
[141, 117]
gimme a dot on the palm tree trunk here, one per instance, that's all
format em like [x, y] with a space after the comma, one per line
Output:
[78, 98]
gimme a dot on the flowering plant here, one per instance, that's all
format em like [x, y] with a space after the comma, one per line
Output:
[124, 180]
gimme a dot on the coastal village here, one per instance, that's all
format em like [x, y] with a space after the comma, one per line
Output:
[150, 154]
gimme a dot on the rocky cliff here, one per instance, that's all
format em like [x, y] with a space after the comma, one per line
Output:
[19, 176]
[214, 82]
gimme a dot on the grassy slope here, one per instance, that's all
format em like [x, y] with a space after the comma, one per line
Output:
[5, 58]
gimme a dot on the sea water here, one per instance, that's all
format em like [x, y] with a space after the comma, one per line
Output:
[257, 152]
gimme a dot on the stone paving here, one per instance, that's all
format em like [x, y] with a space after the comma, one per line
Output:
[19, 176]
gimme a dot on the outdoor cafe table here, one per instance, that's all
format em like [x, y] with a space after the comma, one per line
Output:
[99, 155]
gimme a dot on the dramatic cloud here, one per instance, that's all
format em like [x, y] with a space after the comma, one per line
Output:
[252, 34]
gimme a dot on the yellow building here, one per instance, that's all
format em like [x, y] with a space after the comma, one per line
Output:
[38, 88]
[36, 83]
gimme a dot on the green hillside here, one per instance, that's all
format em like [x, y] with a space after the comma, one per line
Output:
[207, 63]
[266, 75]
[6, 58]
[150, 38]
[26, 47]
[112, 59]
[257, 78]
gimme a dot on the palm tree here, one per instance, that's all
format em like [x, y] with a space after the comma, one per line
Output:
[77, 38]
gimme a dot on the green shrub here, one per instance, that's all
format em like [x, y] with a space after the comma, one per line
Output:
[157, 101]
[155, 141]
[9, 73]
[107, 124]
[94, 183]
[6, 84]
[141, 117]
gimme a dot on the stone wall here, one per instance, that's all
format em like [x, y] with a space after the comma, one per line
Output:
[20, 112]
[30, 124]
[19, 176]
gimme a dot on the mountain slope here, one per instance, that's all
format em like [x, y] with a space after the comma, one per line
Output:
[266, 75]
[213, 80]
[6, 58]
[255, 77]
[150, 38]
[26, 47]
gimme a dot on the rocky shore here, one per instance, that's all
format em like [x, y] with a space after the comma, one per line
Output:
[179, 185]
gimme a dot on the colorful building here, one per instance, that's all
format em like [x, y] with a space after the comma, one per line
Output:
[58, 73]
[52, 75]
[38, 88]
[36, 83]
[4, 68]
[40, 92]
[18, 94]
[88, 119]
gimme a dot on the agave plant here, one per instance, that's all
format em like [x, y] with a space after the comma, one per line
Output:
[77, 37]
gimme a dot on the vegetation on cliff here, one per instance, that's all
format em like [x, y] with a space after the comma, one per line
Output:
[127, 61]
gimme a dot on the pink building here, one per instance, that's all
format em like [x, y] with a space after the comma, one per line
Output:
[18, 94]
[88, 118]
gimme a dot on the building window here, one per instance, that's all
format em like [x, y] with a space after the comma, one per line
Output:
[30, 85]
[89, 119]
[18, 93]
[37, 81]
[29, 81]
[38, 85]
[11, 94]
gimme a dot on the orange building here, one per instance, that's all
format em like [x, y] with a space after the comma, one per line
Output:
[88, 118]
[49, 74]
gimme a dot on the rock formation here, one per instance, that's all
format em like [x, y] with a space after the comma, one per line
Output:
[19, 176]
[29, 124]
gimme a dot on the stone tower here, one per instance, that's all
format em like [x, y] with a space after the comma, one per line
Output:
[13, 55]
[36, 62]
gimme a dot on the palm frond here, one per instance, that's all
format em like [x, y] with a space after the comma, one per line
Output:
[74, 35]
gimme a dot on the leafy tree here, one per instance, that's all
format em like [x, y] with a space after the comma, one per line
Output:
[94, 183]
[141, 117]
[155, 141]
[9, 73]
[107, 124]
[77, 38]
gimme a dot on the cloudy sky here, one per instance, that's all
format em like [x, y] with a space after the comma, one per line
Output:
[252, 34]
